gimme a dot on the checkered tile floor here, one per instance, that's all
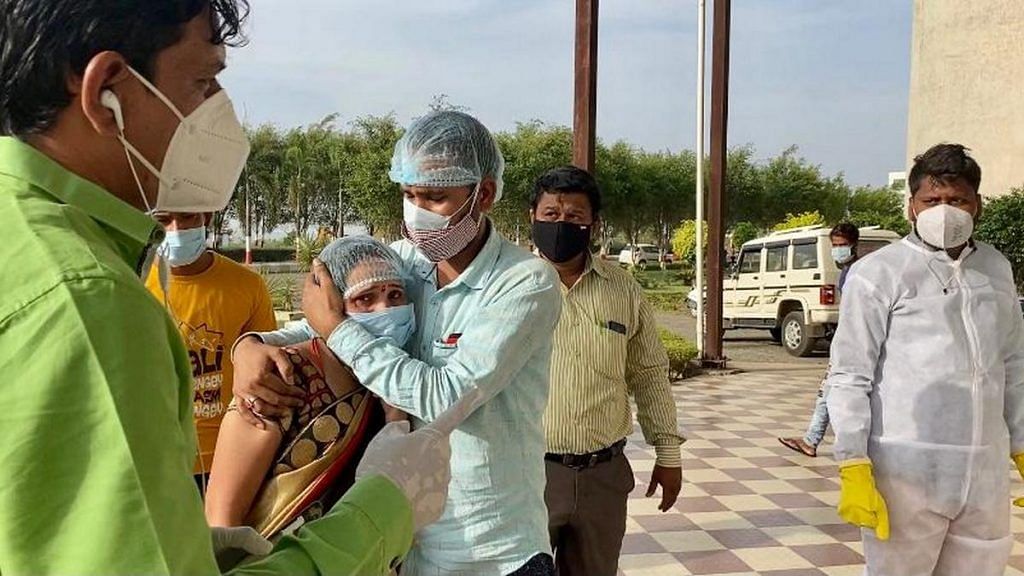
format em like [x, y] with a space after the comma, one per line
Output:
[749, 505]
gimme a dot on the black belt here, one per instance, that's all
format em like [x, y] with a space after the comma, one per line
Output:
[581, 461]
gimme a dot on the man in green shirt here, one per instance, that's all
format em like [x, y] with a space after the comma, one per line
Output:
[106, 109]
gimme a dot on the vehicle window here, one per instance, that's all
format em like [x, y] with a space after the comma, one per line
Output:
[805, 256]
[776, 259]
[750, 261]
[865, 247]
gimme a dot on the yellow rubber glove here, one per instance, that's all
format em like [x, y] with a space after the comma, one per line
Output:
[1018, 459]
[860, 503]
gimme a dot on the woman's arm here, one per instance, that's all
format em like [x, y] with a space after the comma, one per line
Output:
[241, 461]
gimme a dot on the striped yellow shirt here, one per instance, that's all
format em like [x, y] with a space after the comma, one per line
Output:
[606, 348]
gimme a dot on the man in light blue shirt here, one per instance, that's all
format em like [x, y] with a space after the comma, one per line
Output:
[486, 311]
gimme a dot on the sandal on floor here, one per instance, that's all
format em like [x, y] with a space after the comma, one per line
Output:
[798, 445]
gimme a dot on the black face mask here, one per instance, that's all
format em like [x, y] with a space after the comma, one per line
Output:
[560, 241]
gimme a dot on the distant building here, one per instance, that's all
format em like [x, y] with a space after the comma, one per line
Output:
[967, 84]
[898, 181]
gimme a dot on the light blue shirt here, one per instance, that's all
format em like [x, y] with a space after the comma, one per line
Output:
[489, 329]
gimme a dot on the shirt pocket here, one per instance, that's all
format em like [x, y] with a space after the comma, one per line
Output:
[441, 352]
[603, 350]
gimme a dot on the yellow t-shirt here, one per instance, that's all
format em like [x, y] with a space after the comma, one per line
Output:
[212, 309]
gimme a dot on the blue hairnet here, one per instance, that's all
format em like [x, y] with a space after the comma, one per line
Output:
[358, 261]
[447, 149]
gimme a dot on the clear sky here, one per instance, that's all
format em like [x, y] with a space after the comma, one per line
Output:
[830, 76]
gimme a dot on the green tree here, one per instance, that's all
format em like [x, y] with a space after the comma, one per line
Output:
[262, 180]
[869, 206]
[744, 187]
[744, 232]
[684, 242]
[334, 207]
[299, 168]
[529, 151]
[374, 197]
[792, 185]
[441, 103]
[1002, 225]
[627, 198]
[669, 180]
[800, 220]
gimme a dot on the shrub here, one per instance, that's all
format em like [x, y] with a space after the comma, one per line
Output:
[1002, 226]
[681, 352]
[684, 242]
[282, 290]
[308, 248]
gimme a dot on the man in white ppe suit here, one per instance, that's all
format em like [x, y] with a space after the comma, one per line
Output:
[927, 387]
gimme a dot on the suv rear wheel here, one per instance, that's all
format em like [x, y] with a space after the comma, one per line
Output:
[794, 335]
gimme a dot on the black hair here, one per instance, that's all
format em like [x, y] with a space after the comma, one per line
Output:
[847, 231]
[945, 163]
[567, 180]
[43, 42]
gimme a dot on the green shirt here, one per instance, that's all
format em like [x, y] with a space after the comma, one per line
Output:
[98, 440]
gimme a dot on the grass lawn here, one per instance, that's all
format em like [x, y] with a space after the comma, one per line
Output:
[664, 289]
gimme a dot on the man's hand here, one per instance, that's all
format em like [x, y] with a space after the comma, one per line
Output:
[419, 462]
[231, 544]
[262, 382]
[322, 302]
[671, 482]
[860, 502]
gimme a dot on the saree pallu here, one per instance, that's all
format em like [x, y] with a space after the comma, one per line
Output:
[322, 442]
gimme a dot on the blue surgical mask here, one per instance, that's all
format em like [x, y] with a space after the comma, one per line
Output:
[183, 247]
[397, 323]
[842, 254]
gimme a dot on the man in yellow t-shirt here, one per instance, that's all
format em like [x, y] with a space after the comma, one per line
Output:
[213, 300]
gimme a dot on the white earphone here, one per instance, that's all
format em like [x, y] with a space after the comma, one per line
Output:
[109, 100]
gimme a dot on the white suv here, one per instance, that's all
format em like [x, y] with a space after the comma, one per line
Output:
[786, 283]
[639, 255]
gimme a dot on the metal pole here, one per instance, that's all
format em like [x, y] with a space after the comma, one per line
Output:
[585, 103]
[248, 223]
[716, 216]
[248, 215]
[701, 11]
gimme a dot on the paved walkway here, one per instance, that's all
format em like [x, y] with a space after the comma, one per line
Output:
[749, 505]
[740, 345]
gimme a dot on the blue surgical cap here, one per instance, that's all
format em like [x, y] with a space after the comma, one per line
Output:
[358, 261]
[447, 149]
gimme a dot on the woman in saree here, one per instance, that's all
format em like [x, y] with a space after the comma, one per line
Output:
[295, 466]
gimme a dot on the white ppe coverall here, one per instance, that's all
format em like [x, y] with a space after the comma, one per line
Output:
[927, 382]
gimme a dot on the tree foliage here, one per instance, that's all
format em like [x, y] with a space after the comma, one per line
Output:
[532, 149]
[878, 207]
[1002, 225]
[684, 242]
[331, 173]
[800, 220]
[375, 198]
[744, 232]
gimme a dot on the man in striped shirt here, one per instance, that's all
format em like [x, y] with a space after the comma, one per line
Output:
[606, 349]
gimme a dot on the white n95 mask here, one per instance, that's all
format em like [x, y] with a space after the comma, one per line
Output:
[945, 226]
[204, 159]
